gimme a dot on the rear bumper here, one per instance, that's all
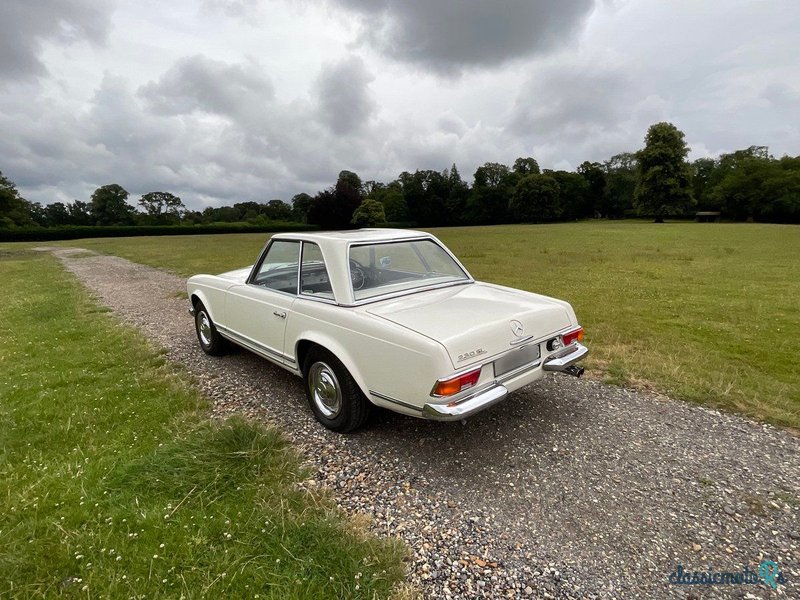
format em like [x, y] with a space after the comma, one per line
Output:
[466, 407]
[567, 357]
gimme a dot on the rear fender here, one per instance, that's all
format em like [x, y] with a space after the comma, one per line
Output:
[335, 348]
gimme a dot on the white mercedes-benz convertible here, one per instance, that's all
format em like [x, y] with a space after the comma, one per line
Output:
[386, 317]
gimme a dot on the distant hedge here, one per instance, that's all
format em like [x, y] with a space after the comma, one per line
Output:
[73, 232]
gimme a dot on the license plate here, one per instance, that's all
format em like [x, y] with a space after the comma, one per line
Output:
[515, 359]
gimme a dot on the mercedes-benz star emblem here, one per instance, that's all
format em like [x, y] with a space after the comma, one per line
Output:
[517, 329]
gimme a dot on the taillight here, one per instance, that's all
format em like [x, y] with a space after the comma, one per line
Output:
[576, 335]
[448, 387]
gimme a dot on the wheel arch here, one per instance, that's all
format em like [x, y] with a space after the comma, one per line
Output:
[196, 297]
[310, 340]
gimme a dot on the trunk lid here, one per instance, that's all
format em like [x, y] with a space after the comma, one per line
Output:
[474, 322]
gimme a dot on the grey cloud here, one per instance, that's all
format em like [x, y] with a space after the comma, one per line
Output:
[345, 103]
[449, 35]
[203, 84]
[571, 97]
[27, 24]
[207, 131]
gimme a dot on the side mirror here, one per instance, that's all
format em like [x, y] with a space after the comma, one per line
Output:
[385, 261]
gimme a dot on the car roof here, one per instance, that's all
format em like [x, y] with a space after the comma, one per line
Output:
[354, 235]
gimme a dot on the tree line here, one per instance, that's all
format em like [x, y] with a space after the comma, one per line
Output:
[656, 181]
[109, 205]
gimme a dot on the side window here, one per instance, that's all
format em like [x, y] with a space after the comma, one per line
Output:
[314, 280]
[278, 270]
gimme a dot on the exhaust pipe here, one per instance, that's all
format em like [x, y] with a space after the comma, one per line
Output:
[574, 371]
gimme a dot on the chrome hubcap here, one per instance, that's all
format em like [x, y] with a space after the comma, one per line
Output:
[204, 328]
[325, 390]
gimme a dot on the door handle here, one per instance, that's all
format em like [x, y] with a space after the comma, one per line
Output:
[279, 313]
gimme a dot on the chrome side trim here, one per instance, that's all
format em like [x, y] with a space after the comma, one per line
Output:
[254, 346]
[395, 400]
[563, 359]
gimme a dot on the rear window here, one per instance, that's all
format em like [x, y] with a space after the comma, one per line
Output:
[384, 268]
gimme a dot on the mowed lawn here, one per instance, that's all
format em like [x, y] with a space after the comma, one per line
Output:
[114, 483]
[708, 313]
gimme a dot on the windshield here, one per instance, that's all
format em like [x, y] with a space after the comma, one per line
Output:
[377, 269]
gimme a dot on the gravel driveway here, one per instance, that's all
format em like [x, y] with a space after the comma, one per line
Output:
[568, 489]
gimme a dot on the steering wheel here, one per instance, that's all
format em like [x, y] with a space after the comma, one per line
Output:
[358, 276]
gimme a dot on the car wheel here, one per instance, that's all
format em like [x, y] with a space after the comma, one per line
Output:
[335, 398]
[210, 340]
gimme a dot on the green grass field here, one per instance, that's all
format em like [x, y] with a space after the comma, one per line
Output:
[113, 482]
[707, 313]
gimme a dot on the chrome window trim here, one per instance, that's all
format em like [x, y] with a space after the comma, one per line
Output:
[300, 293]
[437, 286]
[263, 255]
[321, 300]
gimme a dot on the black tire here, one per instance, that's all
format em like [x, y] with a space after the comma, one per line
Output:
[210, 340]
[333, 395]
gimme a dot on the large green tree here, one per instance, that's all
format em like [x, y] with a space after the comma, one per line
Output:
[595, 177]
[80, 213]
[394, 203]
[277, 210]
[15, 211]
[300, 204]
[426, 193]
[535, 199]
[162, 208]
[526, 166]
[664, 186]
[621, 175]
[491, 192]
[572, 195]
[109, 206]
[333, 208]
[457, 196]
[703, 178]
[56, 214]
[369, 214]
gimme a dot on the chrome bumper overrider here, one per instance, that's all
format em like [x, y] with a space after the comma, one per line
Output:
[466, 407]
[566, 357]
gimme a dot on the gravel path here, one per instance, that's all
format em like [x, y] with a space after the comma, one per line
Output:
[568, 489]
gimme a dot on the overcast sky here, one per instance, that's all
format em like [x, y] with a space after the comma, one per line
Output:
[221, 101]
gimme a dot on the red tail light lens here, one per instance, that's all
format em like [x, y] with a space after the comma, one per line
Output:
[576, 335]
[448, 387]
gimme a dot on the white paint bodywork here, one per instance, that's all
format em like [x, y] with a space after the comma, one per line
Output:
[395, 347]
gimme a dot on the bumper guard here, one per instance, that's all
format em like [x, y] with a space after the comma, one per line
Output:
[566, 357]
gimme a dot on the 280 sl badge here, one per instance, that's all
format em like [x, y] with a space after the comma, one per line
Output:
[473, 354]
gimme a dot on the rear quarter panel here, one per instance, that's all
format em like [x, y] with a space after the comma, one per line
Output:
[382, 357]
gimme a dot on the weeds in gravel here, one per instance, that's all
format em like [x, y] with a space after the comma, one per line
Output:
[112, 482]
[702, 312]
